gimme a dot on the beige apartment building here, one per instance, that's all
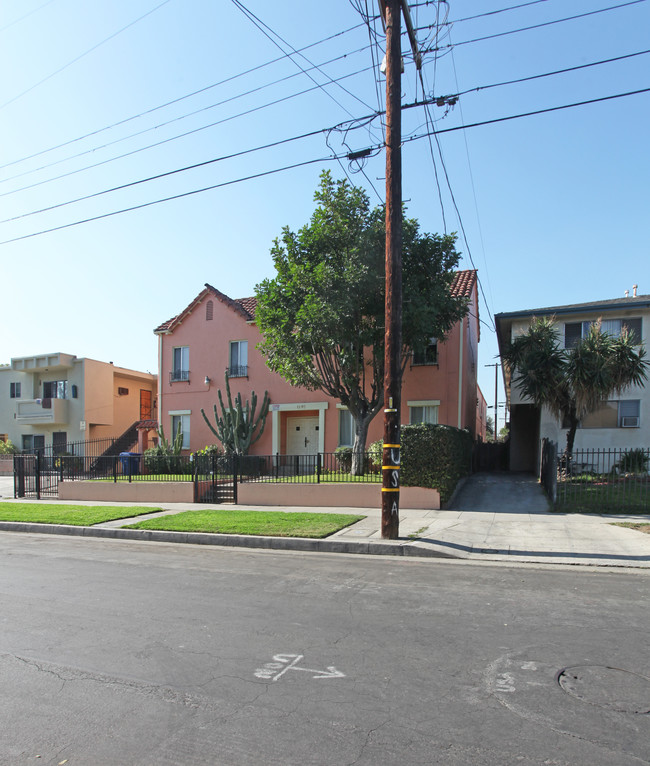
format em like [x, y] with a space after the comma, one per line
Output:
[50, 400]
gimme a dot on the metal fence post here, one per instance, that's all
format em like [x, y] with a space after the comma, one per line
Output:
[318, 467]
[235, 466]
[38, 475]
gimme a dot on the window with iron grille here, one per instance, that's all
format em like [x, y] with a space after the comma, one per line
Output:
[427, 355]
[238, 362]
[180, 364]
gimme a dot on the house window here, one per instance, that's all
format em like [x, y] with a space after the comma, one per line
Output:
[575, 331]
[423, 413]
[629, 413]
[209, 310]
[14, 390]
[180, 364]
[33, 442]
[55, 389]
[346, 428]
[238, 363]
[181, 419]
[427, 355]
[613, 414]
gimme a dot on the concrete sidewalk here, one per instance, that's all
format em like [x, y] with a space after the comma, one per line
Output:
[497, 517]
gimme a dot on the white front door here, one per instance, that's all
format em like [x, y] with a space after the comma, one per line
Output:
[302, 436]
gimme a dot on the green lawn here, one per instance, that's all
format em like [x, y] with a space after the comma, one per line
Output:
[266, 523]
[75, 515]
[603, 497]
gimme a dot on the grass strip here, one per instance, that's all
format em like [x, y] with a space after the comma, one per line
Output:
[75, 515]
[264, 523]
[633, 525]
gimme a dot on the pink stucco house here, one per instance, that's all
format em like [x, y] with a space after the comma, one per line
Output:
[216, 333]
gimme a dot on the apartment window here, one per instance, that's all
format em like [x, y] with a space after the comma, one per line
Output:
[181, 419]
[14, 390]
[614, 414]
[346, 428]
[427, 355]
[423, 412]
[575, 331]
[629, 413]
[180, 364]
[55, 389]
[238, 363]
[33, 442]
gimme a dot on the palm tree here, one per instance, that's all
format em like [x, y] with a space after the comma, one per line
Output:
[574, 382]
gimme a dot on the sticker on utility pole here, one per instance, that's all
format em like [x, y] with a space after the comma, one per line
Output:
[272, 671]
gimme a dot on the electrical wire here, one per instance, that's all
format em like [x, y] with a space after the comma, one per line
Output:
[544, 24]
[168, 199]
[82, 55]
[22, 18]
[182, 98]
[163, 141]
[264, 27]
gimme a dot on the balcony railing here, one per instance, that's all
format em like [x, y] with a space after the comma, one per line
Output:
[238, 372]
[179, 375]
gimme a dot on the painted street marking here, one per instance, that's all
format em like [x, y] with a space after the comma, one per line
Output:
[284, 662]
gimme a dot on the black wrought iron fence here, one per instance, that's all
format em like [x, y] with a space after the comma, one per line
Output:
[602, 480]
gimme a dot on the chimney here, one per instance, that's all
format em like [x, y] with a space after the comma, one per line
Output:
[634, 288]
[627, 293]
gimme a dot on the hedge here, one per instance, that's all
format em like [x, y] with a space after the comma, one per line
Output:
[434, 456]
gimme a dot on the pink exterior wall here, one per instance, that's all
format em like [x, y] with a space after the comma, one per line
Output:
[128, 492]
[209, 344]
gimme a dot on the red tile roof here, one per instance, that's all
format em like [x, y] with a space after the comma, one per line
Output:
[462, 286]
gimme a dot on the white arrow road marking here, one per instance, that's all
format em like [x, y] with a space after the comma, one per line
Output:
[284, 662]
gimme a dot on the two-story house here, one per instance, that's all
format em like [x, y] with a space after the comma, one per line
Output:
[620, 423]
[51, 400]
[215, 333]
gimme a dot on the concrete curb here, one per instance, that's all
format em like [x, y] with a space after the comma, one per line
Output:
[336, 545]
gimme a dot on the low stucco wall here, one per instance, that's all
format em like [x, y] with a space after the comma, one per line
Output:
[333, 495]
[123, 492]
[6, 465]
[310, 495]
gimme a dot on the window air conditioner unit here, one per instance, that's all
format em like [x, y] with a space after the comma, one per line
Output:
[630, 421]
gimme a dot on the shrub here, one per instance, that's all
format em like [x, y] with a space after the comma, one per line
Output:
[344, 458]
[8, 447]
[434, 456]
[634, 461]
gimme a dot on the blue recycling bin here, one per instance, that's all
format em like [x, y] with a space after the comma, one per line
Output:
[130, 463]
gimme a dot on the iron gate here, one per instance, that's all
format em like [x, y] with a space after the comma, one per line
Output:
[36, 476]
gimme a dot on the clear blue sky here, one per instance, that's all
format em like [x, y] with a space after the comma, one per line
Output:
[554, 207]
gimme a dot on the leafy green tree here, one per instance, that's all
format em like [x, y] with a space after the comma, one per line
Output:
[322, 315]
[489, 428]
[576, 381]
[8, 447]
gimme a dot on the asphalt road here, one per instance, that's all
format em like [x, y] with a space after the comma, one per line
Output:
[144, 654]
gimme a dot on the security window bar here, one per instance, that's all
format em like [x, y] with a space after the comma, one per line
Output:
[427, 355]
[238, 362]
[180, 364]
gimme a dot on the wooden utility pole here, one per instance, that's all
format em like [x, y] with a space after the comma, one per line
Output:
[393, 328]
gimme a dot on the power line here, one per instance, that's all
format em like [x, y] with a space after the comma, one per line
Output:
[82, 55]
[537, 26]
[22, 18]
[263, 27]
[323, 159]
[186, 96]
[167, 199]
[159, 143]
